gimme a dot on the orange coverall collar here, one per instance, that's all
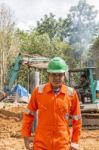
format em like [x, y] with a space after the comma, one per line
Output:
[62, 89]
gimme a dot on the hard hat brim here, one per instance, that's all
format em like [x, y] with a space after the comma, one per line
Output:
[56, 71]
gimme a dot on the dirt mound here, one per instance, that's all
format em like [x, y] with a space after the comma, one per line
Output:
[12, 113]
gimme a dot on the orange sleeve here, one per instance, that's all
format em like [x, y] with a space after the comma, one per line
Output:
[28, 116]
[76, 118]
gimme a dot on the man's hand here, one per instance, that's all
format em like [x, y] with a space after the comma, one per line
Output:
[28, 143]
[74, 146]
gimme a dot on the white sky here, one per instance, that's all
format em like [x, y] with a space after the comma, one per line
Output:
[27, 12]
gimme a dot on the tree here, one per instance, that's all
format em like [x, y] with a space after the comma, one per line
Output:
[95, 55]
[48, 24]
[62, 30]
[24, 38]
[36, 43]
[54, 28]
[7, 40]
[83, 26]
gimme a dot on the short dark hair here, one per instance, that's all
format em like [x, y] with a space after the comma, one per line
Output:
[83, 75]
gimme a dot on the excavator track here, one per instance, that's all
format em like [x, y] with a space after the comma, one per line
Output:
[90, 121]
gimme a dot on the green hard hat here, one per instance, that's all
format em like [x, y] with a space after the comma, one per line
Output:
[57, 65]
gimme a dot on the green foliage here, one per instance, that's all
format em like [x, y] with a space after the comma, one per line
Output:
[35, 43]
[54, 28]
[39, 44]
[48, 24]
[24, 39]
[63, 28]
[95, 51]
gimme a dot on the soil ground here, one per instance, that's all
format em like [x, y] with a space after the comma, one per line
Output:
[10, 136]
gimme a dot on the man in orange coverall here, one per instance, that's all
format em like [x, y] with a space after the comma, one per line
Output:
[55, 102]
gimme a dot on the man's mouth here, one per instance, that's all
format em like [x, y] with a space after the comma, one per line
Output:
[56, 82]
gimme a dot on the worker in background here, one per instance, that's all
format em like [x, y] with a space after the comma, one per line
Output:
[83, 87]
[55, 102]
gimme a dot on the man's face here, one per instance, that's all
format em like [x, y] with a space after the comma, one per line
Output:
[83, 78]
[56, 79]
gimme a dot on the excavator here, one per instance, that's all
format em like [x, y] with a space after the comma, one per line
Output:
[90, 107]
[91, 99]
[11, 77]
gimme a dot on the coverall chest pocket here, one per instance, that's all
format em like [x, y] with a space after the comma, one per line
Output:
[62, 106]
[43, 102]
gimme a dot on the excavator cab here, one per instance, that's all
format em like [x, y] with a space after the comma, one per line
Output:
[74, 78]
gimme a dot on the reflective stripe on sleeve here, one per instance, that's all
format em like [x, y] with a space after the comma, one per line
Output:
[40, 88]
[76, 117]
[75, 145]
[29, 112]
[70, 91]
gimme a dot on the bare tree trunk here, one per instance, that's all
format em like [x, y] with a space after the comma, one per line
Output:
[7, 39]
